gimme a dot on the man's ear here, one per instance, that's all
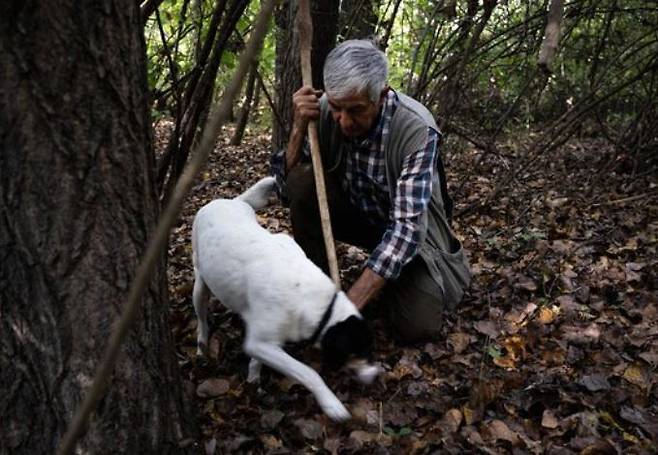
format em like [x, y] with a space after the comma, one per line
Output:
[382, 94]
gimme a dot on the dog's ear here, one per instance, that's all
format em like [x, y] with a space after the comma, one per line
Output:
[349, 337]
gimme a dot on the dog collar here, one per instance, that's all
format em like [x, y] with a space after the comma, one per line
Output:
[323, 321]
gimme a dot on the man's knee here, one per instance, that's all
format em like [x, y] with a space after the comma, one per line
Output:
[419, 328]
[416, 304]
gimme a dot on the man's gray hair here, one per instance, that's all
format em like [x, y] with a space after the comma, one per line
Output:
[353, 67]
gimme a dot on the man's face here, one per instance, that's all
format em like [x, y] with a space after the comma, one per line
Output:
[356, 113]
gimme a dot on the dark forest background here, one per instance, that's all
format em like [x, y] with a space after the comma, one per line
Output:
[551, 135]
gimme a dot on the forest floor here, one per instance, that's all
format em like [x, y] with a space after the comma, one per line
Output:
[553, 350]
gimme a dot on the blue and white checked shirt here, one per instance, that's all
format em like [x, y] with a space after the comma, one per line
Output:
[366, 184]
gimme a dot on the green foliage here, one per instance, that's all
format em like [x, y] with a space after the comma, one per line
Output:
[479, 70]
[604, 44]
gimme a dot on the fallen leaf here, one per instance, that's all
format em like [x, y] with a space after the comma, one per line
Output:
[568, 304]
[554, 357]
[650, 357]
[514, 352]
[433, 351]
[498, 430]
[271, 418]
[519, 317]
[362, 437]
[548, 420]
[489, 328]
[547, 315]
[310, 429]
[270, 442]
[598, 446]
[557, 202]
[580, 335]
[213, 388]
[472, 436]
[526, 283]
[361, 409]
[642, 418]
[407, 367]
[451, 421]
[469, 415]
[635, 374]
[635, 266]
[459, 341]
[399, 413]
[332, 445]
[595, 382]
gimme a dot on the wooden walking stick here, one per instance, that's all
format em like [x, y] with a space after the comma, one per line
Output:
[305, 29]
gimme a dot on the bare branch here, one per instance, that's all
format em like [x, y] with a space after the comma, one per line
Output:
[551, 35]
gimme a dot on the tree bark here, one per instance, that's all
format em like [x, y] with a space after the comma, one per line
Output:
[358, 19]
[551, 35]
[77, 203]
[288, 78]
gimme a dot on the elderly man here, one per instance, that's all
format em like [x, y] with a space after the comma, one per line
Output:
[386, 190]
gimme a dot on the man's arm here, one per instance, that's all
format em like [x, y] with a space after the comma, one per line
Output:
[306, 107]
[366, 288]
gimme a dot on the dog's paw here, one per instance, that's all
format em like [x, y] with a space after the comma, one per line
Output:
[365, 372]
[254, 372]
[335, 410]
[368, 373]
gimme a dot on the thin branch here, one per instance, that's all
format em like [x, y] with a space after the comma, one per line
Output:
[551, 35]
[149, 8]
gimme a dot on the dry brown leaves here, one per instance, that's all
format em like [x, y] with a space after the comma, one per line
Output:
[554, 349]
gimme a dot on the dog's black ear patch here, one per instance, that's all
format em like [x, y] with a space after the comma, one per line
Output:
[349, 337]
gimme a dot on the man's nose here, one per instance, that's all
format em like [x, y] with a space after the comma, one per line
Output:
[345, 121]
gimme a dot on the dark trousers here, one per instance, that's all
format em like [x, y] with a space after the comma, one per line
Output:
[414, 302]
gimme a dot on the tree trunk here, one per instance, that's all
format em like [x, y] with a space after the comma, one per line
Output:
[197, 100]
[551, 35]
[358, 19]
[77, 203]
[287, 72]
[243, 117]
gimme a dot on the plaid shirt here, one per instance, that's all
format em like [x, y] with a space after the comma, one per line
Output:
[366, 184]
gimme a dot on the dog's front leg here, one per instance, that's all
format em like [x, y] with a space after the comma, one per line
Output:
[200, 296]
[254, 371]
[278, 359]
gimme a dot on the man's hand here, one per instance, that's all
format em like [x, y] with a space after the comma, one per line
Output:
[306, 107]
[365, 288]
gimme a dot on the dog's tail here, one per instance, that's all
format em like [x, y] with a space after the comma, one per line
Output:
[259, 194]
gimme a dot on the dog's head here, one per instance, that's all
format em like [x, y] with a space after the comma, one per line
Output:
[350, 338]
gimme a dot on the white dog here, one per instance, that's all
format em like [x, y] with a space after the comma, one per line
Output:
[279, 293]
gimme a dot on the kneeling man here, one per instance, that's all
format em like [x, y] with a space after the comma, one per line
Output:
[386, 190]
